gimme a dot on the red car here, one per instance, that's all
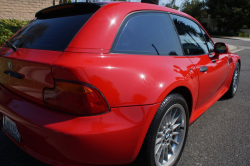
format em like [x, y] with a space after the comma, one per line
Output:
[110, 83]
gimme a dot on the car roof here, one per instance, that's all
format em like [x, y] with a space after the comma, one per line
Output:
[98, 34]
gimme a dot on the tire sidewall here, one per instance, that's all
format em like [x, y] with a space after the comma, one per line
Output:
[166, 104]
[231, 90]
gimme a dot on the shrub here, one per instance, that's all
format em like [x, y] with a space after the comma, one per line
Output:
[242, 34]
[244, 27]
[8, 27]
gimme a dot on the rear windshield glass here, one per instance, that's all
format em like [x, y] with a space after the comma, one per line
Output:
[49, 34]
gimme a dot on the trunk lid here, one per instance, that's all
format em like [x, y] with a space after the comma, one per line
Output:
[25, 74]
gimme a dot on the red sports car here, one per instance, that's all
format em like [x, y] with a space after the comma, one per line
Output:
[110, 83]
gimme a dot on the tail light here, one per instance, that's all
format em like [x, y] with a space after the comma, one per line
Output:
[76, 98]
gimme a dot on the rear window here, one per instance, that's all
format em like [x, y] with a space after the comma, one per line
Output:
[49, 34]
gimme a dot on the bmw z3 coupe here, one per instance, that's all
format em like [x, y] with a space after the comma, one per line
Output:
[110, 83]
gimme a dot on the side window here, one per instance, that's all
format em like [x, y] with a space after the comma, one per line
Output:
[147, 34]
[191, 38]
[209, 42]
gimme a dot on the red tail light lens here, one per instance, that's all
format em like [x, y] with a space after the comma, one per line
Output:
[76, 98]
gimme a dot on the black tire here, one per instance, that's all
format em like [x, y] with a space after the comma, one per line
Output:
[149, 154]
[234, 83]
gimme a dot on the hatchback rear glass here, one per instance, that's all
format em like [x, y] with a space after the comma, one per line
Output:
[53, 29]
[49, 34]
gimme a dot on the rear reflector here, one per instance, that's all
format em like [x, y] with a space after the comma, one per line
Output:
[76, 98]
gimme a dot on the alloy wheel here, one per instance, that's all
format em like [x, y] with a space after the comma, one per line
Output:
[236, 79]
[170, 136]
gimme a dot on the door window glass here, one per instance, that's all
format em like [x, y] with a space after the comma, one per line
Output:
[209, 42]
[191, 38]
[147, 34]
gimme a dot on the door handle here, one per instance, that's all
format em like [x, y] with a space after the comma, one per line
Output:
[214, 60]
[211, 55]
[14, 74]
[203, 69]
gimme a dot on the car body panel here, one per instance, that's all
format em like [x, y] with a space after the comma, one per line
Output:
[136, 75]
[55, 138]
[35, 68]
[198, 111]
[211, 80]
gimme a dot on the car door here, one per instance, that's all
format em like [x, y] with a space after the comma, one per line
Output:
[211, 69]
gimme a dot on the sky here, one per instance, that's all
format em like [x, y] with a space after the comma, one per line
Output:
[161, 2]
[177, 2]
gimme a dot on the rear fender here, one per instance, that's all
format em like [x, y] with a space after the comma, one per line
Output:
[128, 80]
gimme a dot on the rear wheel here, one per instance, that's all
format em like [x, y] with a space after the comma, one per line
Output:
[167, 133]
[234, 83]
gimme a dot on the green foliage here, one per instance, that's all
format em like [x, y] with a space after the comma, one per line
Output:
[195, 8]
[229, 14]
[65, 1]
[242, 34]
[174, 6]
[9, 27]
[244, 27]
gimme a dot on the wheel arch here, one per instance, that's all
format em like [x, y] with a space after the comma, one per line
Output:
[239, 62]
[236, 58]
[186, 93]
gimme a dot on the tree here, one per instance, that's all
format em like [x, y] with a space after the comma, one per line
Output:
[229, 14]
[172, 6]
[195, 8]
[64, 1]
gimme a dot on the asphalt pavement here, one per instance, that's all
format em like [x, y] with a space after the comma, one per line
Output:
[221, 136]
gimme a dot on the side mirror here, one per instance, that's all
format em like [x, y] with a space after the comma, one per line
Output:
[221, 48]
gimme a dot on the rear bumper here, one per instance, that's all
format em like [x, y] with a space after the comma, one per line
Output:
[61, 139]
